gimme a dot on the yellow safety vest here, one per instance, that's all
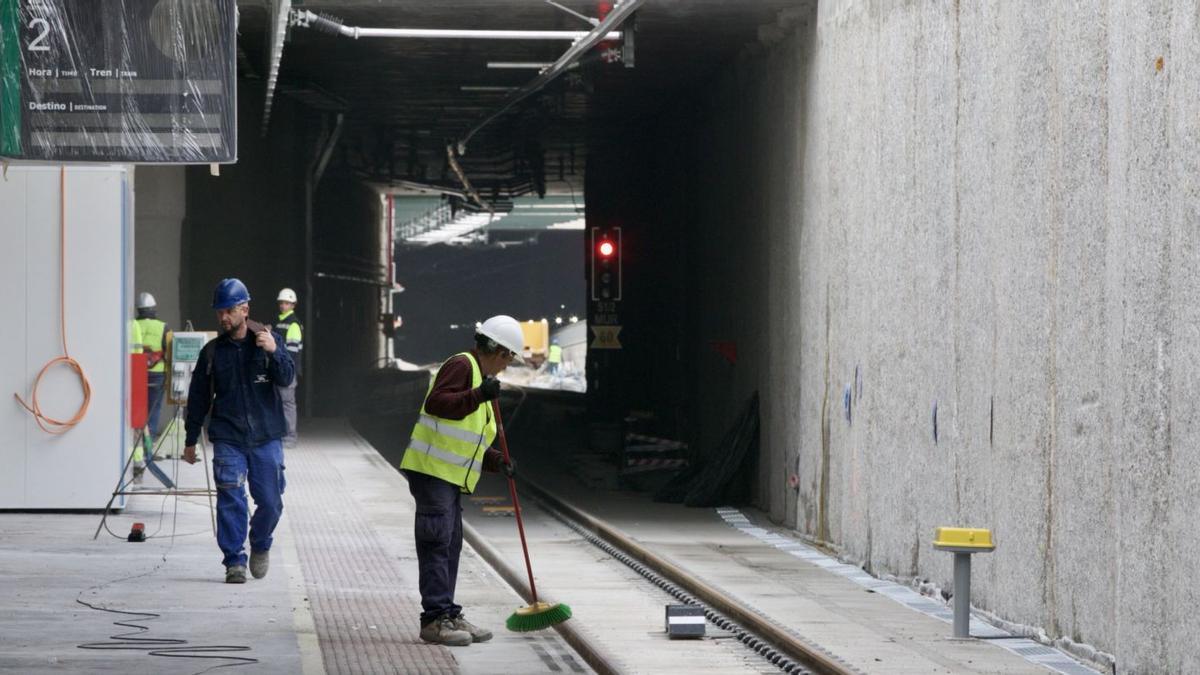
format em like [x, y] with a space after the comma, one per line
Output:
[452, 449]
[555, 354]
[135, 337]
[153, 331]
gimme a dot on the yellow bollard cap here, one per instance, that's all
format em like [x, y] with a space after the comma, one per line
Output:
[964, 539]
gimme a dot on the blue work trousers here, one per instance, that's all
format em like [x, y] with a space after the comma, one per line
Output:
[439, 535]
[262, 467]
[154, 394]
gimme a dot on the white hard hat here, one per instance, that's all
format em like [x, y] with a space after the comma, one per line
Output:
[287, 295]
[145, 301]
[506, 331]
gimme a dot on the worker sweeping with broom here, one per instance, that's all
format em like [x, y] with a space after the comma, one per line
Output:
[450, 447]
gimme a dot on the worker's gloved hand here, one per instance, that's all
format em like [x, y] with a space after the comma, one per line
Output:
[509, 468]
[490, 389]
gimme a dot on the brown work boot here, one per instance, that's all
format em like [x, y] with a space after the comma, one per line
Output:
[443, 631]
[235, 574]
[477, 634]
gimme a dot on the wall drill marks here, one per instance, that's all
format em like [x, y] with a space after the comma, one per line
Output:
[1032, 651]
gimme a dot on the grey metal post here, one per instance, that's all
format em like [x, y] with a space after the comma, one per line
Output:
[962, 595]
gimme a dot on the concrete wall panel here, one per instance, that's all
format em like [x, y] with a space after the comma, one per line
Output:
[990, 207]
[158, 224]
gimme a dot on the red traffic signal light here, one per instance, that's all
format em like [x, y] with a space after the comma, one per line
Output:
[606, 264]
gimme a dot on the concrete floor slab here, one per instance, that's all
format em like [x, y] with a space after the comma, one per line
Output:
[340, 597]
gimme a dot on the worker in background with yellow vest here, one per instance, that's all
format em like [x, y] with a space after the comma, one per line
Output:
[153, 336]
[555, 357]
[288, 327]
[450, 446]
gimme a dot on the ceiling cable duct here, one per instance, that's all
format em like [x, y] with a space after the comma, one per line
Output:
[308, 19]
[568, 10]
[462, 178]
[599, 34]
[276, 34]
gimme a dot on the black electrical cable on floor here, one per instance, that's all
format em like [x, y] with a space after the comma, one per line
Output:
[164, 647]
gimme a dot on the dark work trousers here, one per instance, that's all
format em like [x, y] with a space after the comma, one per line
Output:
[438, 530]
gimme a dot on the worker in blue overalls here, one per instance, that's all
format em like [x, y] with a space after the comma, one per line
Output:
[234, 387]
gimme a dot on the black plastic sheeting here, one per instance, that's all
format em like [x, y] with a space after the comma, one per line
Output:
[142, 81]
[725, 478]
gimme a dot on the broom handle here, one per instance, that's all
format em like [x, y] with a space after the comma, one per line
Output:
[512, 490]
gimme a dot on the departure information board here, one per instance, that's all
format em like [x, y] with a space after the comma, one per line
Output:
[143, 81]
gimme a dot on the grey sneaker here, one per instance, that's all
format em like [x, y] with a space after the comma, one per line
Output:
[259, 562]
[443, 631]
[235, 574]
[477, 634]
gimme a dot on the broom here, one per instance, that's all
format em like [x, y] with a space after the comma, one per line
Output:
[538, 615]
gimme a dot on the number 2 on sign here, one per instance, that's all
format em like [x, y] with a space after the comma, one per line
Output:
[38, 42]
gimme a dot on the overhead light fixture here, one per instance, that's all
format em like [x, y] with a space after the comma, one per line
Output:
[486, 88]
[518, 64]
[524, 65]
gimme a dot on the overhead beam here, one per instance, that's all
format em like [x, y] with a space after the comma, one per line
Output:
[602, 32]
[308, 19]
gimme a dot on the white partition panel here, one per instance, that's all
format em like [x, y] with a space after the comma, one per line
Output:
[77, 469]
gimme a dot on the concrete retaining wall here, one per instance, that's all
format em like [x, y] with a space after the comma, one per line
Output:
[160, 202]
[992, 208]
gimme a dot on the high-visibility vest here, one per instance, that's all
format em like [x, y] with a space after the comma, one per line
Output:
[135, 337]
[153, 332]
[452, 449]
[555, 354]
[288, 327]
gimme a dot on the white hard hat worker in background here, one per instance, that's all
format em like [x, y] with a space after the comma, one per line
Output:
[450, 447]
[287, 324]
[154, 335]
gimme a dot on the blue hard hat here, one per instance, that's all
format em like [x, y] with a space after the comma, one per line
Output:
[230, 293]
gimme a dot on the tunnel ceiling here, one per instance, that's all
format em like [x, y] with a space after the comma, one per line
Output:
[403, 98]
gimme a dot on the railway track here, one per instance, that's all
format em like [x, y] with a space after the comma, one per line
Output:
[777, 647]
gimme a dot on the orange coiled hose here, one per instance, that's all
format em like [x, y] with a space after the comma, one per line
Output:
[49, 424]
